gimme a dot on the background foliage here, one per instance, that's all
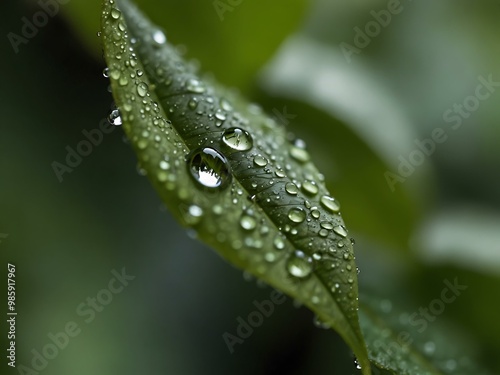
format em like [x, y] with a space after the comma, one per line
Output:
[67, 236]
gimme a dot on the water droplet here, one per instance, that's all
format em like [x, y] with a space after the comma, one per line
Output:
[209, 168]
[194, 214]
[142, 89]
[105, 73]
[317, 255]
[315, 213]
[310, 187]
[195, 86]
[270, 257]
[248, 222]
[115, 118]
[330, 203]
[291, 188]
[164, 165]
[297, 215]
[319, 323]
[429, 348]
[299, 154]
[299, 265]
[260, 161]
[159, 37]
[279, 242]
[326, 225]
[347, 256]
[225, 105]
[221, 116]
[193, 103]
[451, 365]
[115, 13]
[323, 233]
[237, 139]
[340, 230]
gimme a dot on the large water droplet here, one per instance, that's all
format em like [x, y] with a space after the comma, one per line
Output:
[330, 203]
[209, 168]
[297, 215]
[237, 139]
[115, 118]
[299, 264]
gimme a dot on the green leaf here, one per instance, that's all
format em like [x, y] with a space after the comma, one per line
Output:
[355, 120]
[401, 343]
[230, 173]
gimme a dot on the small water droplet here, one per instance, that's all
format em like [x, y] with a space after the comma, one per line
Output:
[115, 118]
[291, 188]
[164, 165]
[319, 323]
[115, 13]
[193, 103]
[248, 222]
[429, 348]
[237, 139]
[297, 215]
[221, 116]
[315, 213]
[279, 242]
[340, 230]
[317, 255]
[142, 89]
[159, 37]
[323, 233]
[330, 203]
[195, 86]
[225, 105]
[260, 161]
[326, 225]
[270, 257]
[310, 187]
[195, 211]
[209, 168]
[299, 154]
[299, 265]
[105, 73]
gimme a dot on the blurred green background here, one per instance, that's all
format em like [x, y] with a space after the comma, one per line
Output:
[358, 116]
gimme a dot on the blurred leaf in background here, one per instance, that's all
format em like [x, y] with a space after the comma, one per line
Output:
[440, 223]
